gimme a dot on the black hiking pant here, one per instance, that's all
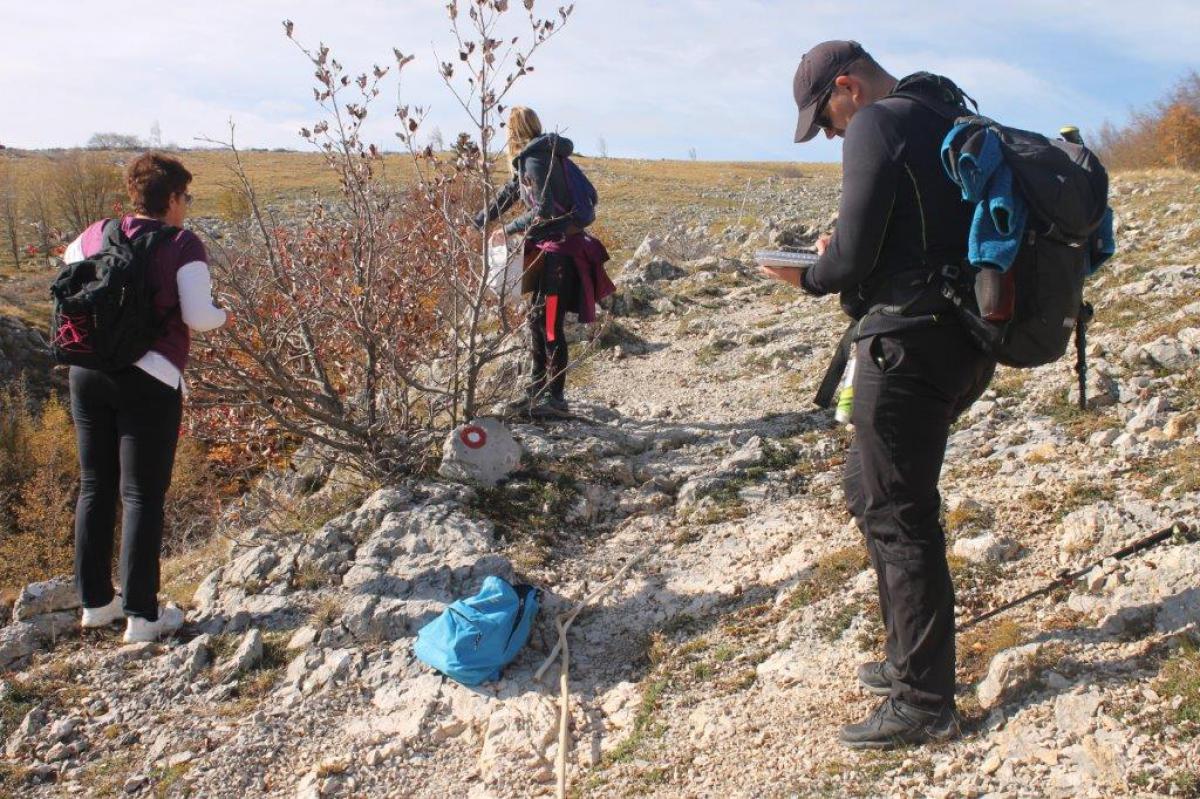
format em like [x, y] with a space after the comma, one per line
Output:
[127, 426]
[556, 292]
[908, 389]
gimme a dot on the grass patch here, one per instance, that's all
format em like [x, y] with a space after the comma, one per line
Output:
[327, 610]
[1180, 677]
[832, 626]
[968, 516]
[1185, 784]
[1180, 471]
[529, 514]
[106, 778]
[828, 575]
[707, 355]
[977, 647]
[164, 779]
[1009, 382]
[183, 573]
[645, 725]
[254, 685]
[1076, 421]
[21, 697]
[314, 511]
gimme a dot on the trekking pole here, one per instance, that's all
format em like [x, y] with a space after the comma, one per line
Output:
[1178, 530]
[1071, 133]
[1086, 312]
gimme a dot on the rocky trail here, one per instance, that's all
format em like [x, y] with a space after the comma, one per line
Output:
[722, 664]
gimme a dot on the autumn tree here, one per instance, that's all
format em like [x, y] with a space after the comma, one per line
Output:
[1179, 135]
[367, 325]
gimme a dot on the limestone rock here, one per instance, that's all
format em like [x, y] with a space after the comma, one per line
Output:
[986, 548]
[247, 655]
[1008, 670]
[17, 641]
[483, 451]
[50, 596]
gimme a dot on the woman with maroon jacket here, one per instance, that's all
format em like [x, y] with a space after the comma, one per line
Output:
[127, 421]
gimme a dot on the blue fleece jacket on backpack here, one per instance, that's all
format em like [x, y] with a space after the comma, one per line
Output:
[977, 166]
[475, 638]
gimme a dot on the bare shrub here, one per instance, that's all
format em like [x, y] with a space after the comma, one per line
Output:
[367, 326]
[10, 212]
[85, 187]
[36, 540]
[39, 483]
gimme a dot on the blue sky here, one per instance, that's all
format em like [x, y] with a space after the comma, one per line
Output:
[653, 79]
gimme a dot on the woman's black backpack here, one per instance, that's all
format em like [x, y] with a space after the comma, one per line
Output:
[104, 316]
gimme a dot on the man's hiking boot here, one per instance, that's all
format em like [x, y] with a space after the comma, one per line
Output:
[551, 406]
[895, 723]
[875, 678]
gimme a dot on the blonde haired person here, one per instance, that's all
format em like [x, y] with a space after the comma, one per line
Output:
[553, 245]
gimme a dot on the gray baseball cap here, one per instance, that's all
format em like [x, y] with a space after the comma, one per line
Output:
[818, 69]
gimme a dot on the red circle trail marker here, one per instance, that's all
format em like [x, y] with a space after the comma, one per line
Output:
[473, 437]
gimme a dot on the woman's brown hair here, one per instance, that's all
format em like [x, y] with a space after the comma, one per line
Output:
[151, 179]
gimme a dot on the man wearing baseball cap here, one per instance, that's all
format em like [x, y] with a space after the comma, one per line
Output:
[900, 222]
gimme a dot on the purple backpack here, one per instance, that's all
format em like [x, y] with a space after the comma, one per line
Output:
[583, 194]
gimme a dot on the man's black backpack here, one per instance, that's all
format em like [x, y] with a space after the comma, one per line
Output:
[104, 316]
[1038, 303]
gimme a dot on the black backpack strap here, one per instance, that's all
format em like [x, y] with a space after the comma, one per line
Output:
[111, 234]
[827, 392]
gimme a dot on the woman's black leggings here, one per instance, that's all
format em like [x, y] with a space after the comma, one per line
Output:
[127, 426]
[555, 293]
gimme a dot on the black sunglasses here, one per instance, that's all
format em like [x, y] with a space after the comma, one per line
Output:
[821, 119]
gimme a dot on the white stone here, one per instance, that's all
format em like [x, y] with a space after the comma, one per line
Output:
[1075, 713]
[483, 451]
[17, 641]
[247, 655]
[1008, 669]
[986, 548]
[49, 596]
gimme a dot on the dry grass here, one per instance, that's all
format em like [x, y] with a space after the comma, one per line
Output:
[39, 480]
[828, 575]
[977, 647]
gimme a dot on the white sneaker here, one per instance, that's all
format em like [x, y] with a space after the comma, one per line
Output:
[103, 616]
[138, 630]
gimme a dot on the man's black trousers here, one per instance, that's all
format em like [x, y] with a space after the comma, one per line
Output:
[127, 426]
[909, 387]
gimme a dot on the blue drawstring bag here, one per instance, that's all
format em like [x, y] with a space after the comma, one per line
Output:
[474, 638]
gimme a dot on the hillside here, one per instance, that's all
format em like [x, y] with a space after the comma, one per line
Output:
[722, 662]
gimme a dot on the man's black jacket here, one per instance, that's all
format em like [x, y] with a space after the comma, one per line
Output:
[899, 212]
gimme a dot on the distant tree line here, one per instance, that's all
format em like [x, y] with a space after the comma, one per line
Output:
[1166, 134]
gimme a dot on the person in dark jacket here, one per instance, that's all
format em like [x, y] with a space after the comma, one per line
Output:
[552, 278]
[900, 222]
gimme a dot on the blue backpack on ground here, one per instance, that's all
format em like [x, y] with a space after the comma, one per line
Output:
[474, 638]
[583, 194]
